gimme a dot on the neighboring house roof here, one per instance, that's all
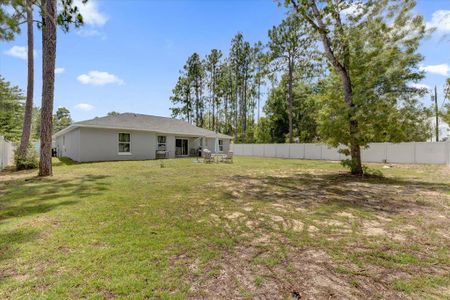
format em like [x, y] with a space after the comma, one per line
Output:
[132, 121]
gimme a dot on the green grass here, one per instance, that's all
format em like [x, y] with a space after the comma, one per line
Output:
[138, 230]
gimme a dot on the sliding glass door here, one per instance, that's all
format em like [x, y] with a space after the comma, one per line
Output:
[181, 147]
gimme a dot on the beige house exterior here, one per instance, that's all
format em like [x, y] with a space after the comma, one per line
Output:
[130, 136]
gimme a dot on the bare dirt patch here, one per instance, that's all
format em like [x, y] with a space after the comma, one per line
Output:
[248, 272]
[355, 237]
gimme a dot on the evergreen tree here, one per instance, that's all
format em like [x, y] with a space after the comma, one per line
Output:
[290, 52]
[304, 112]
[212, 67]
[11, 110]
[61, 119]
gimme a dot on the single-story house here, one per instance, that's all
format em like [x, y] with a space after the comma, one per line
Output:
[131, 136]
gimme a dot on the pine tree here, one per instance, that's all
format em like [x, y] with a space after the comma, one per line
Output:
[290, 51]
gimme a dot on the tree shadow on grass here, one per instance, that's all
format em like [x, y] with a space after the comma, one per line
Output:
[40, 195]
[389, 195]
[35, 197]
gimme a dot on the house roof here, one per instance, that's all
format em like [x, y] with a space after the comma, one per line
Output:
[132, 121]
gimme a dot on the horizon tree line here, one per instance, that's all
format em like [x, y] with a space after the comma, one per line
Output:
[339, 72]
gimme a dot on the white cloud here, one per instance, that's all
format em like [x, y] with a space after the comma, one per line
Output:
[18, 52]
[91, 14]
[99, 78]
[84, 32]
[441, 21]
[420, 86]
[442, 69]
[84, 106]
[59, 70]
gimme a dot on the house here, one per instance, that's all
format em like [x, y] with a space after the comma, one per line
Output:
[131, 136]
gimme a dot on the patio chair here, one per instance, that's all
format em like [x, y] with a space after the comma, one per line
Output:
[228, 157]
[207, 156]
[161, 154]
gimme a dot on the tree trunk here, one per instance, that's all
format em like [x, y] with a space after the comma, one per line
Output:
[290, 79]
[26, 131]
[244, 108]
[259, 98]
[48, 84]
[236, 112]
[213, 115]
[355, 150]
[213, 78]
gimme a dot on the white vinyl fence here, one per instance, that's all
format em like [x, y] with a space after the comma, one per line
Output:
[6, 153]
[407, 153]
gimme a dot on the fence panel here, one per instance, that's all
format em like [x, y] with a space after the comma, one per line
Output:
[375, 153]
[400, 153]
[330, 153]
[248, 150]
[424, 152]
[431, 153]
[313, 151]
[6, 153]
[258, 150]
[270, 150]
[297, 150]
[282, 150]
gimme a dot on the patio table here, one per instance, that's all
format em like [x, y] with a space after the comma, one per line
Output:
[217, 156]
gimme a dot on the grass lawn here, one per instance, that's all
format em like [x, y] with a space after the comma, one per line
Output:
[267, 228]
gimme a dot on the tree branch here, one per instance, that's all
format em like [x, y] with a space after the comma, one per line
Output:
[307, 18]
[35, 21]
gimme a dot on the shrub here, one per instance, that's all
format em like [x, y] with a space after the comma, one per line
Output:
[29, 161]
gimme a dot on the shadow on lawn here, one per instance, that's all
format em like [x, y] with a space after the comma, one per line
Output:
[40, 195]
[36, 197]
[388, 195]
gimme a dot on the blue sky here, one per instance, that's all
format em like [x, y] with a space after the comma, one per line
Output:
[128, 55]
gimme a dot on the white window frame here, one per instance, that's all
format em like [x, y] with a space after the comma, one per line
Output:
[160, 144]
[220, 144]
[119, 142]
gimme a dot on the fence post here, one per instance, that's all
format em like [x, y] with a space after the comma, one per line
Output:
[448, 153]
[1, 153]
[385, 152]
[321, 151]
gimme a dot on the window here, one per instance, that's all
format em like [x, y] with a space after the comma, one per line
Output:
[124, 143]
[181, 147]
[220, 145]
[161, 143]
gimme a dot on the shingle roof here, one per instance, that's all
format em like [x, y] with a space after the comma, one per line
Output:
[132, 121]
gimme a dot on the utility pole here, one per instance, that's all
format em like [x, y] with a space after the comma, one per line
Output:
[437, 113]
